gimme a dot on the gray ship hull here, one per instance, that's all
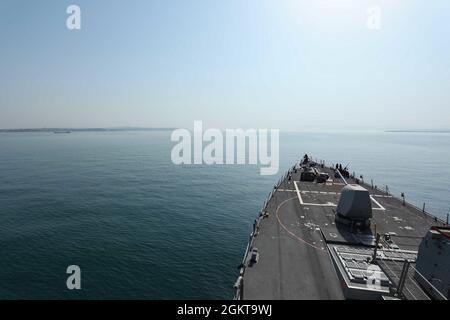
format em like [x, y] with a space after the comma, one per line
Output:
[304, 253]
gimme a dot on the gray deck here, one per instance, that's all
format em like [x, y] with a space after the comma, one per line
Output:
[294, 261]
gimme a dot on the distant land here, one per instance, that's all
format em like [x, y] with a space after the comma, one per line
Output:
[83, 129]
[68, 130]
[421, 131]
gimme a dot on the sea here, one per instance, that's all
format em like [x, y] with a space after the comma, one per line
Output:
[140, 227]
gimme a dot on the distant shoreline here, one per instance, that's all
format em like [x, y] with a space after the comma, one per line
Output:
[69, 130]
[81, 129]
[419, 131]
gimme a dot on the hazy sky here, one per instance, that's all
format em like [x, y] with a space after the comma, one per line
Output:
[286, 64]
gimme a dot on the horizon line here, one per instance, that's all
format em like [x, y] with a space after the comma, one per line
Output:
[137, 128]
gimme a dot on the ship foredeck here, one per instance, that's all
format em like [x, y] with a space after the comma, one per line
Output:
[296, 232]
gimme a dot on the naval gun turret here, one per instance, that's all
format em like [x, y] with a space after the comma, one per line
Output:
[355, 207]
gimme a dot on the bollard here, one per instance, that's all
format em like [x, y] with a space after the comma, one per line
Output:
[423, 208]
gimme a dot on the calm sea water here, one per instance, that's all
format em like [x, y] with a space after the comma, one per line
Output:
[141, 227]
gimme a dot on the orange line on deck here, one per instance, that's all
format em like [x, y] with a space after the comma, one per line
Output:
[290, 232]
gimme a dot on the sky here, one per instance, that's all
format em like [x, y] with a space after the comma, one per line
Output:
[283, 64]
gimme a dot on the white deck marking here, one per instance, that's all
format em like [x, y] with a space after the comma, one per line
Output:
[381, 196]
[378, 204]
[298, 193]
[335, 193]
[330, 204]
[319, 192]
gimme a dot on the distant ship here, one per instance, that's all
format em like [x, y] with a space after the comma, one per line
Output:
[323, 233]
[62, 131]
